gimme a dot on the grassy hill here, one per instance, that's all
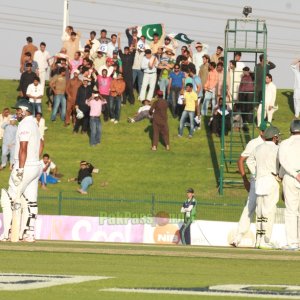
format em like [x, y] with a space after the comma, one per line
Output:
[129, 170]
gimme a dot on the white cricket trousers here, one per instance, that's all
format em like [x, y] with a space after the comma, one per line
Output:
[292, 210]
[248, 212]
[29, 190]
[265, 213]
[148, 79]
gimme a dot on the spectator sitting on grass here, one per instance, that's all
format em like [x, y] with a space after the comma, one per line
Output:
[49, 171]
[84, 177]
[142, 113]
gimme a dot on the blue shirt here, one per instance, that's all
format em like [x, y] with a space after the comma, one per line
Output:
[177, 79]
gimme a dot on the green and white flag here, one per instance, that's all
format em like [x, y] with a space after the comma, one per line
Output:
[182, 37]
[149, 30]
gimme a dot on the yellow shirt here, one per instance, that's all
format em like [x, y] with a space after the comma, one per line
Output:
[190, 100]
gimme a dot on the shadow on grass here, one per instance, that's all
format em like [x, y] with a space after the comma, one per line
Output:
[290, 99]
[212, 150]
[149, 129]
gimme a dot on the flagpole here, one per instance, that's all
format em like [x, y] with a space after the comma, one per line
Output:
[66, 15]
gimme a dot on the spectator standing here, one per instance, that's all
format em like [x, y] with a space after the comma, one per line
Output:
[71, 91]
[84, 92]
[157, 41]
[9, 141]
[95, 103]
[35, 92]
[203, 72]
[132, 38]
[137, 73]
[176, 84]
[166, 65]
[149, 64]
[31, 48]
[104, 83]
[26, 79]
[75, 63]
[189, 210]
[117, 88]
[191, 106]
[58, 85]
[259, 74]
[103, 37]
[99, 59]
[42, 57]
[159, 111]
[112, 45]
[270, 98]
[93, 43]
[219, 53]
[41, 124]
[72, 45]
[34, 64]
[246, 89]
[210, 88]
[4, 118]
[201, 49]
[127, 59]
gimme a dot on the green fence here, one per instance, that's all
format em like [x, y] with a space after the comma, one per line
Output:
[72, 203]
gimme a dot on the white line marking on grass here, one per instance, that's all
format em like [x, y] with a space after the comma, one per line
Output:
[232, 290]
[17, 282]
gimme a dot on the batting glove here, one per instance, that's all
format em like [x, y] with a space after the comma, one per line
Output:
[17, 176]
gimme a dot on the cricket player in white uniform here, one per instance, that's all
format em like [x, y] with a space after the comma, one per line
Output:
[289, 159]
[24, 177]
[249, 209]
[263, 163]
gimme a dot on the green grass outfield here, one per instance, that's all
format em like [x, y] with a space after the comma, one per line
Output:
[144, 266]
[130, 170]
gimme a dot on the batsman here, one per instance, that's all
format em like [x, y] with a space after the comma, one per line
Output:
[19, 202]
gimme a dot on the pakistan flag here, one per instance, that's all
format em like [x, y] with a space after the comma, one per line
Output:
[149, 30]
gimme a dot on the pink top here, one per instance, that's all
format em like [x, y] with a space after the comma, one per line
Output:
[104, 84]
[96, 107]
[75, 64]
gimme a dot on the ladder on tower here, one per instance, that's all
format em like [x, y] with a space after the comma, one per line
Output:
[248, 36]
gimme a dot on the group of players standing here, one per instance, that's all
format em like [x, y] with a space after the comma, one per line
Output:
[269, 164]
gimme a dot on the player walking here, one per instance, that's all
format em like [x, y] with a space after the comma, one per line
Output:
[249, 209]
[289, 159]
[263, 163]
[189, 210]
[23, 181]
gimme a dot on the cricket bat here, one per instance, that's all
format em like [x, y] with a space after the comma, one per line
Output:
[16, 218]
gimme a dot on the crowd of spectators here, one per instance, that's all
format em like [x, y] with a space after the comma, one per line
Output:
[101, 77]
[104, 68]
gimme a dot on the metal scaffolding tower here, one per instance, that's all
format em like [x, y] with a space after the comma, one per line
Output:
[248, 36]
